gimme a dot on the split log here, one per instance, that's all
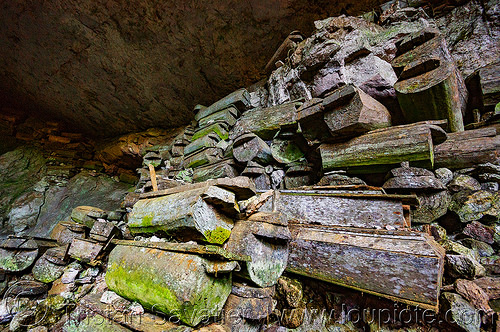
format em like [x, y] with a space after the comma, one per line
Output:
[430, 86]
[383, 149]
[184, 215]
[266, 122]
[402, 266]
[227, 116]
[242, 186]
[240, 99]
[186, 286]
[267, 246]
[249, 147]
[208, 141]
[202, 157]
[340, 209]
[468, 148]
[221, 169]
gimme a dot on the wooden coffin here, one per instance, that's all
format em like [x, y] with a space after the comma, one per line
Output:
[330, 208]
[383, 149]
[403, 266]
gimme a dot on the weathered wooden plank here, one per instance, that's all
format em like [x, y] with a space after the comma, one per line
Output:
[429, 85]
[267, 246]
[103, 231]
[240, 99]
[249, 147]
[402, 266]
[242, 186]
[184, 215]
[380, 150]
[85, 250]
[188, 248]
[468, 148]
[340, 209]
[177, 284]
[266, 122]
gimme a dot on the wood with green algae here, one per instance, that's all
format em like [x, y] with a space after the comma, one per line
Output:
[403, 266]
[184, 215]
[176, 284]
[379, 150]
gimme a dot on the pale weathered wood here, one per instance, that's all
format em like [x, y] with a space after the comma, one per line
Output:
[221, 169]
[429, 85]
[468, 148]
[152, 175]
[382, 149]
[402, 266]
[340, 209]
[267, 246]
[227, 116]
[208, 141]
[284, 50]
[184, 215]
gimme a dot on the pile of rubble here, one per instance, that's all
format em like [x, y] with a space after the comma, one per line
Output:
[366, 162]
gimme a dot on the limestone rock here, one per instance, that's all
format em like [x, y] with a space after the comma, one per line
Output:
[480, 232]
[474, 294]
[490, 285]
[460, 266]
[445, 175]
[479, 205]
[463, 314]
[464, 182]
[432, 207]
[483, 248]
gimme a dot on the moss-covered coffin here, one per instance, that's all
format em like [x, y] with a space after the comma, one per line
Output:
[400, 265]
[239, 99]
[382, 149]
[429, 86]
[185, 215]
[176, 284]
[267, 246]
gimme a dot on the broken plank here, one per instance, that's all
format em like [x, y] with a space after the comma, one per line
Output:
[242, 186]
[192, 248]
[240, 99]
[402, 266]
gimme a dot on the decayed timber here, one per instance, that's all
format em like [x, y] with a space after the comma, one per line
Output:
[221, 169]
[249, 147]
[202, 157]
[188, 248]
[17, 254]
[85, 250]
[298, 176]
[242, 186]
[218, 128]
[267, 246]
[402, 266]
[227, 116]
[208, 141]
[468, 148]
[183, 285]
[341, 209]
[285, 49]
[266, 122]
[429, 85]
[355, 116]
[184, 215]
[240, 99]
[382, 149]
